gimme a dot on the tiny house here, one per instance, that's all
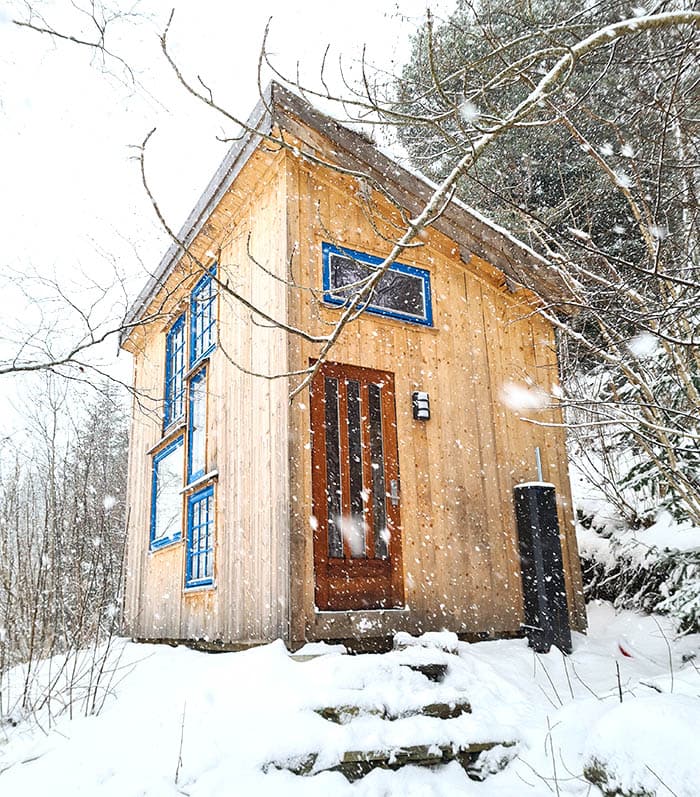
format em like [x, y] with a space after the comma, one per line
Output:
[378, 499]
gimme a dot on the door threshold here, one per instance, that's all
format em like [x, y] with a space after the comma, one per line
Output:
[335, 612]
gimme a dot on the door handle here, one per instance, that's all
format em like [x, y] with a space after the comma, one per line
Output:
[394, 492]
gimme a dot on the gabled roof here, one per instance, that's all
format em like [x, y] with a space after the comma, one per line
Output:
[473, 232]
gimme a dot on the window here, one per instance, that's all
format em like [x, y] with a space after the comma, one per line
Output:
[181, 492]
[174, 408]
[403, 292]
[197, 426]
[166, 500]
[202, 318]
[200, 538]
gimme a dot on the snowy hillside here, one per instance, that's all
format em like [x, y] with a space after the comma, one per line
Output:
[185, 722]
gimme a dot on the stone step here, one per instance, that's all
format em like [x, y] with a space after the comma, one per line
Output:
[433, 671]
[355, 764]
[344, 714]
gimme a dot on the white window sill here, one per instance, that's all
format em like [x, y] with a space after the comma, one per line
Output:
[199, 588]
[213, 474]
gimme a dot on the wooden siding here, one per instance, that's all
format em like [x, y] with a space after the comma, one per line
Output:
[246, 434]
[458, 469]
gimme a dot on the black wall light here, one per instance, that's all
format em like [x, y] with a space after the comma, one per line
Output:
[421, 406]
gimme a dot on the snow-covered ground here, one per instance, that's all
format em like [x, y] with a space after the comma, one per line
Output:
[184, 722]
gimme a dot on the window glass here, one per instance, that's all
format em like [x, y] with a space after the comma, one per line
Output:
[403, 292]
[175, 372]
[197, 429]
[203, 318]
[333, 483]
[166, 510]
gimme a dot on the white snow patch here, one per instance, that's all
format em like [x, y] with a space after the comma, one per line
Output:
[649, 744]
[321, 649]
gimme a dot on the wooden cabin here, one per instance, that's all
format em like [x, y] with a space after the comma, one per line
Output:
[380, 499]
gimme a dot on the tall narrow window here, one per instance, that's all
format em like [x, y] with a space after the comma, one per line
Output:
[166, 501]
[197, 427]
[174, 408]
[203, 318]
[200, 538]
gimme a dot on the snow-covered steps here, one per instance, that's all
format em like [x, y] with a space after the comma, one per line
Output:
[355, 764]
[410, 705]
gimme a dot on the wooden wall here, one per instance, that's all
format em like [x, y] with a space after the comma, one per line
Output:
[247, 434]
[458, 469]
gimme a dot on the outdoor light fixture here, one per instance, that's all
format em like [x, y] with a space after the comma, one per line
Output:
[421, 406]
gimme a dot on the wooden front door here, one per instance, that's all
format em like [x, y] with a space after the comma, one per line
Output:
[355, 475]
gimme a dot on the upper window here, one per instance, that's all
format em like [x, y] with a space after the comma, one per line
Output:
[197, 427]
[166, 501]
[203, 317]
[403, 292]
[175, 372]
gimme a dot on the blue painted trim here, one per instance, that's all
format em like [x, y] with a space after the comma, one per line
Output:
[426, 321]
[175, 329]
[154, 546]
[201, 495]
[201, 284]
[194, 381]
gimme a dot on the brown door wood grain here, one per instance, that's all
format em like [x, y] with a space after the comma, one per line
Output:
[355, 480]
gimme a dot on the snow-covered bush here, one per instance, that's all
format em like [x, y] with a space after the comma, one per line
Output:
[655, 569]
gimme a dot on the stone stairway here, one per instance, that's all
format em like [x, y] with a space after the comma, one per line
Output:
[428, 718]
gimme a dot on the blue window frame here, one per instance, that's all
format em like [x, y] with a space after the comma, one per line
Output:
[403, 292]
[174, 408]
[197, 427]
[166, 498]
[200, 538]
[203, 317]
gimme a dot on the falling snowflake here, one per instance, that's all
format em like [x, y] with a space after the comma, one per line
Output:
[643, 345]
[622, 179]
[469, 112]
[519, 397]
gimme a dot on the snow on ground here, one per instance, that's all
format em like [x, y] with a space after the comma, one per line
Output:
[226, 715]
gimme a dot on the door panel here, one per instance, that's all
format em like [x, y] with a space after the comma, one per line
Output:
[357, 534]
